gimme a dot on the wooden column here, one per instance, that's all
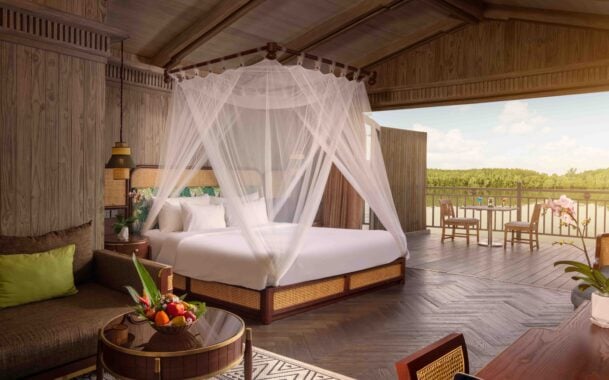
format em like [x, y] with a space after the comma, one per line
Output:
[405, 155]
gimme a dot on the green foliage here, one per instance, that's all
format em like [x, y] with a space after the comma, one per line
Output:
[121, 222]
[590, 277]
[509, 178]
[150, 289]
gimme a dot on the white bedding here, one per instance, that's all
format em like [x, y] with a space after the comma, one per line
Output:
[223, 255]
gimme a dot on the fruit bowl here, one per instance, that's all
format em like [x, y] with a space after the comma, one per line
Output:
[171, 329]
[166, 313]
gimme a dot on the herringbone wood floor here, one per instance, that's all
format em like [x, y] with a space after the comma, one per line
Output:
[491, 295]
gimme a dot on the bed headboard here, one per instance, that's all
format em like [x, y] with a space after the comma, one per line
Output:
[146, 176]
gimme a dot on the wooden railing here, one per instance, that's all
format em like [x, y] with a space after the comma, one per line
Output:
[591, 204]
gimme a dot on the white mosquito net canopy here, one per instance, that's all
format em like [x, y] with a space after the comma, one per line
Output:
[287, 125]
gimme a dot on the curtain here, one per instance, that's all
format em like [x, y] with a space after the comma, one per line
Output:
[289, 125]
[341, 207]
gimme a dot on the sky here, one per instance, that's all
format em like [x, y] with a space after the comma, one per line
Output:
[549, 135]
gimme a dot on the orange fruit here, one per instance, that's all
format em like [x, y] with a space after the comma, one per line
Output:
[161, 318]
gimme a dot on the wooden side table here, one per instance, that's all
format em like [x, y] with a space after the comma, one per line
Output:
[137, 244]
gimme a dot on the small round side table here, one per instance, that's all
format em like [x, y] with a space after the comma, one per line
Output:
[136, 244]
[216, 343]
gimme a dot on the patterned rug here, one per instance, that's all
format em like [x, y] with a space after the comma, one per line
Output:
[267, 366]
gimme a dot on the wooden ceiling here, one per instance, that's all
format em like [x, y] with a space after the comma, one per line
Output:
[167, 33]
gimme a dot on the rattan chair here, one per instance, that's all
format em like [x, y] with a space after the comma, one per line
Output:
[448, 219]
[531, 229]
[441, 360]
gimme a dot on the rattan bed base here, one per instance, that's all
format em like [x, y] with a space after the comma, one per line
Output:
[273, 303]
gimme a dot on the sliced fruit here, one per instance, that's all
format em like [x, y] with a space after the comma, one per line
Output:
[189, 315]
[150, 314]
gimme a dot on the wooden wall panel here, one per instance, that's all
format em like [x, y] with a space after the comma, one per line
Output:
[145, 114]
[405, 155]
[494, 60]
[52, 119]
[92, 9]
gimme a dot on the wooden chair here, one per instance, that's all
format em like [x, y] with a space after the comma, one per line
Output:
[441, 360]
[602, 251]
[531, 229]
[448, 219]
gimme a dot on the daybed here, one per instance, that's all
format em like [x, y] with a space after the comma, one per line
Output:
[57, 337]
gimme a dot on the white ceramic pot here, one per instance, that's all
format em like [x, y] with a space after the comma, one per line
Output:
[600, 310]
[124, 234]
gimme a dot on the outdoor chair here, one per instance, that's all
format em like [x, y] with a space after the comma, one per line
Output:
[448, 219]
[445, 359]
[531, 229]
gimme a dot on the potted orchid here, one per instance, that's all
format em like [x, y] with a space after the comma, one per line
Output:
[566, 209]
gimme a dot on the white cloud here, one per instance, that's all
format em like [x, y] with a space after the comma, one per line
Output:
[517, 119]
[450, 149]
[559, 155]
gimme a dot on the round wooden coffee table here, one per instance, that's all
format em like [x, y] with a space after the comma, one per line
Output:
[132, 349]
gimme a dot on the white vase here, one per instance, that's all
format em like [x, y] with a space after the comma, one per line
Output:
[124, 234]
[600, 310]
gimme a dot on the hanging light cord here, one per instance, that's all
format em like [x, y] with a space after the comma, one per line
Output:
[122, 78]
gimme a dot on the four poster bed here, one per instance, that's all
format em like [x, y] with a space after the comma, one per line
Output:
[239, 285]
[241, 236]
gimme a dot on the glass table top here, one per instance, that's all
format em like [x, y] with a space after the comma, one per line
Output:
[215, 327]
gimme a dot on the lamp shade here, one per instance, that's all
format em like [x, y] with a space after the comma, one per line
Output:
[121, 161]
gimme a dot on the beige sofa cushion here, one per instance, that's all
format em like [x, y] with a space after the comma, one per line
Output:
[52, 333]
[81, 236]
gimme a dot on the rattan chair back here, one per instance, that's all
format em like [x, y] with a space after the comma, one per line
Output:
[439, 361]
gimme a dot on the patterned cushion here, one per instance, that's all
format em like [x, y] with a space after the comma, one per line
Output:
[81, 236]
[142, 200]
[460, 221]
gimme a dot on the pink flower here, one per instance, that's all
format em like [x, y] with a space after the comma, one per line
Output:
[564, 208]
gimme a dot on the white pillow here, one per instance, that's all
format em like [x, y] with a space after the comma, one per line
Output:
[254, 212]
[170, 216]
[202, 200]
[196, 217]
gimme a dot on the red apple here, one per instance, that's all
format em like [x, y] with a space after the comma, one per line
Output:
[175, 309]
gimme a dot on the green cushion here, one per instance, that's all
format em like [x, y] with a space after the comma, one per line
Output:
[32, 277]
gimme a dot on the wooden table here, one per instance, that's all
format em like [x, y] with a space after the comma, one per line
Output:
[217, 342]
[489, 222]
[576, 349]
[136, 244]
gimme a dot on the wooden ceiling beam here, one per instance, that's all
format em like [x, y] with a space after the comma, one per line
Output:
[470, 11]
[409, 42]
[548, 16]
[213, 22]
[342, 22]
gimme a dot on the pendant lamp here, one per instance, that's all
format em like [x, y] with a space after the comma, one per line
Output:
[121, 161]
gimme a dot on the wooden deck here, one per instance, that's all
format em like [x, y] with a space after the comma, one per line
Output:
[516, 265]
[491, 295]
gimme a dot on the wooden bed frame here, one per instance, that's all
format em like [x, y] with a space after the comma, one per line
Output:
[275, 302]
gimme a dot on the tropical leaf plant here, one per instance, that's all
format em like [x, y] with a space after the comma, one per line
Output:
[121, 222]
